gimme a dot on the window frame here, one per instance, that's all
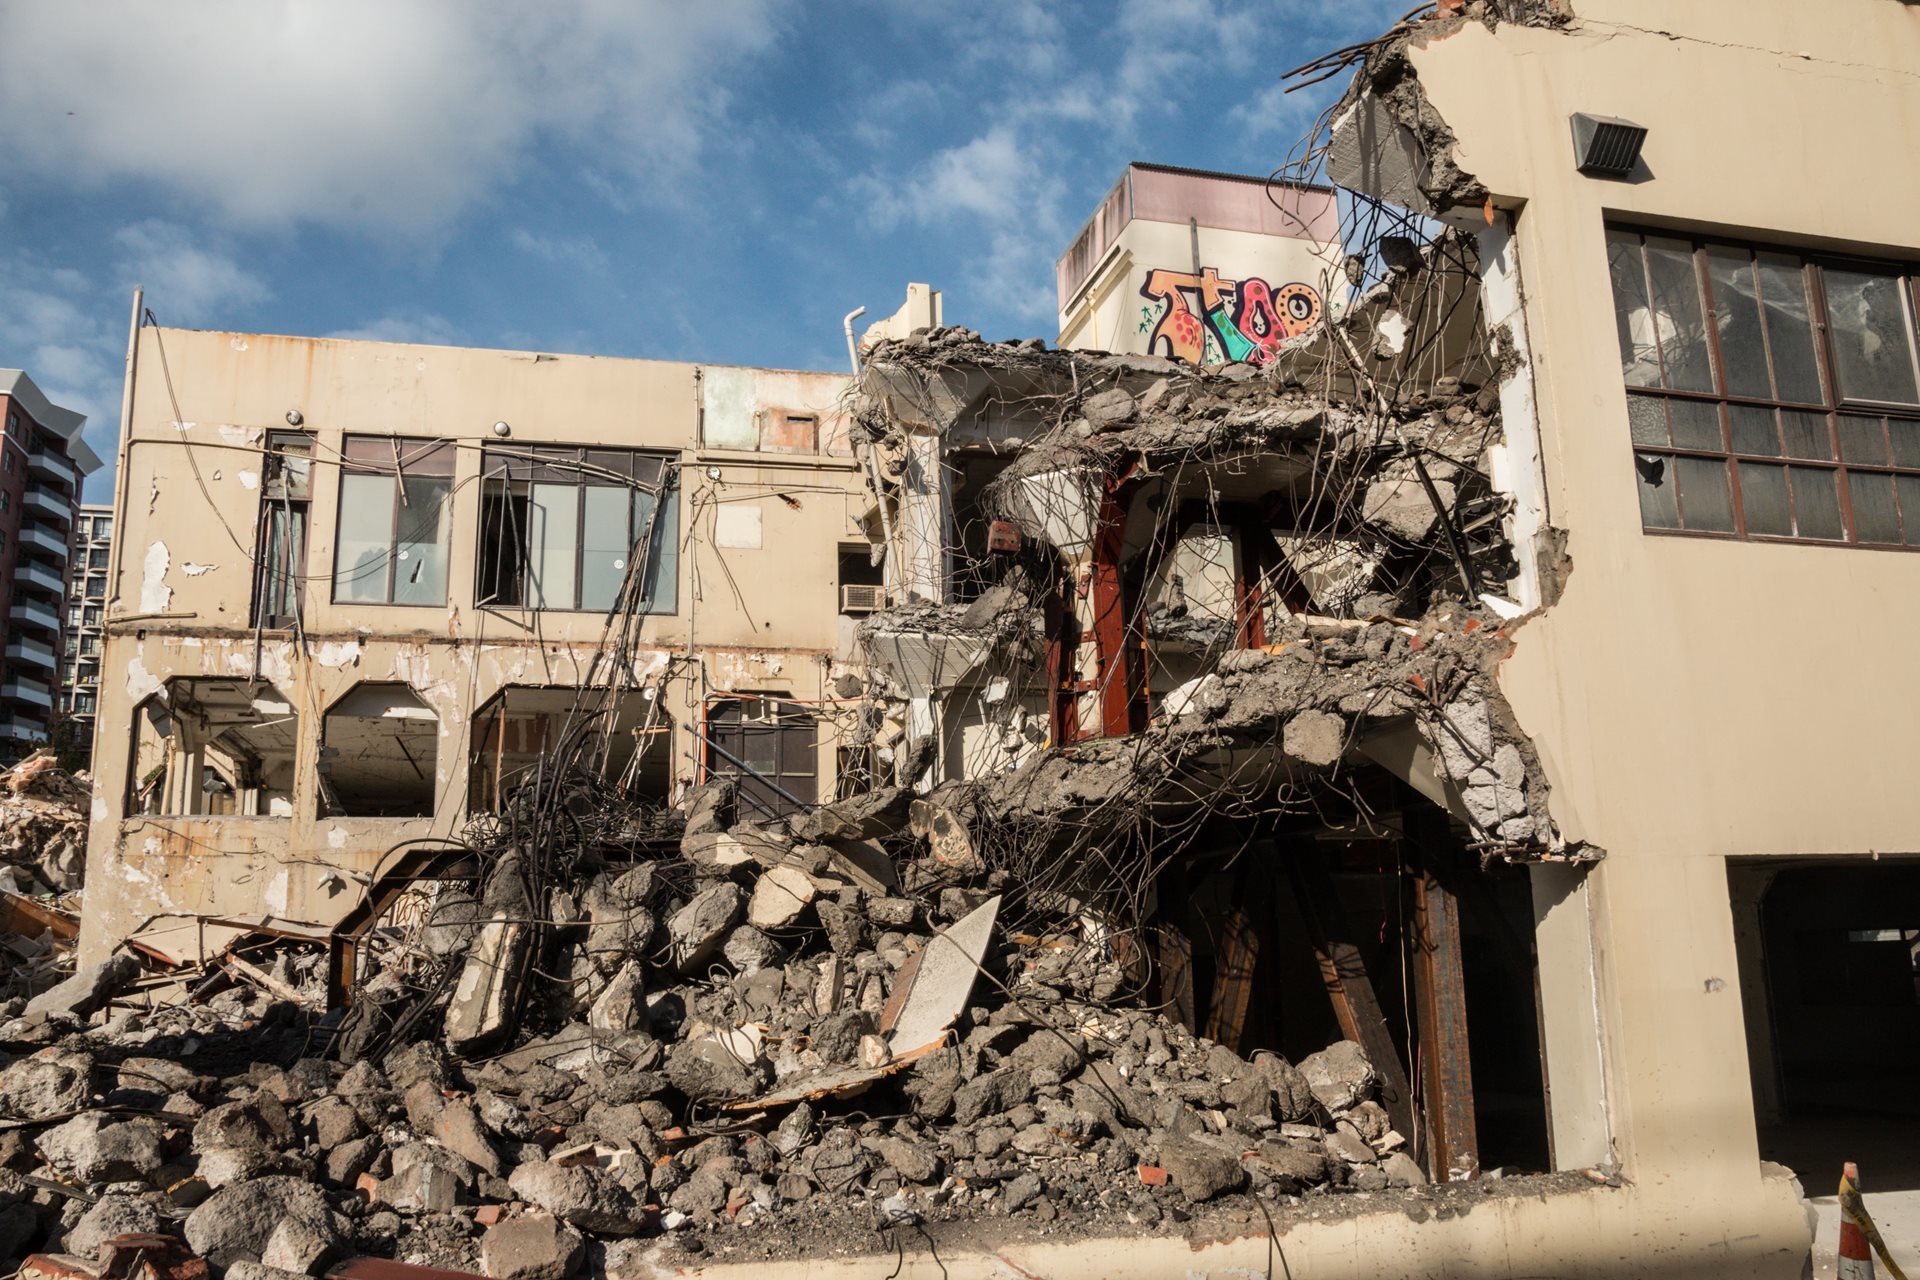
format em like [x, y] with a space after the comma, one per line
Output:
[1834, 407]
[573, 466]
[425, 456]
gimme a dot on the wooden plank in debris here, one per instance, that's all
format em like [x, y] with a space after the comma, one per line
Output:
[24, 916]
[266, 981]
[1176, 975]
[1440, 998]
[1343, 970]
[1235, 957]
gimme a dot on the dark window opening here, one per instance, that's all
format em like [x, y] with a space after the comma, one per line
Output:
[286, 490]
[862, 582]
[1770, 395]
[395, 512]
[769, 744]
[378, 753]
[975, 567]
[564, 527]
[629, 742]
[855, 772]
[1245, 934]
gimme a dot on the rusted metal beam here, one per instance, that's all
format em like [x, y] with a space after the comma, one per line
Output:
[1176, 975]
[1355, 1005]
[1235, 957]
[1440, 999]
[1113, 673]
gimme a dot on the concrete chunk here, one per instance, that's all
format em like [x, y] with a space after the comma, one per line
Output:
[780, 896]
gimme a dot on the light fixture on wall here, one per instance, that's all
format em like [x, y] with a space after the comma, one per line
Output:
[295, 417]
[502, 430]
[1606, 146]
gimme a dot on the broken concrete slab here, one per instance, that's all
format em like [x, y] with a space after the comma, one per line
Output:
[944, 980]
[87, 991]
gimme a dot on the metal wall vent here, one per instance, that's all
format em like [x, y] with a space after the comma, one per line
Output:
[1606, 146]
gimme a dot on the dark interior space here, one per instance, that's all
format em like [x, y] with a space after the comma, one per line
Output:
[1830, 981]
[1255, 919]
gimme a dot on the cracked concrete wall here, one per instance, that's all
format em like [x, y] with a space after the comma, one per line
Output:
[749, 618]
[1680, 721]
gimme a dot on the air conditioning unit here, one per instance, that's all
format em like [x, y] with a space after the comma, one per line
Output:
[860, 597]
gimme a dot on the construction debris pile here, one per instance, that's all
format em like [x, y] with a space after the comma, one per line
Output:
[806, 1023]
[43, 827]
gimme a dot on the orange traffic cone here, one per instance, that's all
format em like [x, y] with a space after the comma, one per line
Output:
[1857, 1232]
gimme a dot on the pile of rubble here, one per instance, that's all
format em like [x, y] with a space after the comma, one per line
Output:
[805, 1024]
[43, 827]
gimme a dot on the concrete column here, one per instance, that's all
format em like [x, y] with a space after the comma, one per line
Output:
[1747, 887]
[922, 529]
[1570, 1029]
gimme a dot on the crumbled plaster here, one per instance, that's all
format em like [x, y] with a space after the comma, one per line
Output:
[140, 681]
[193, 570]
[155, 595]
[248, 479]
[235, 435]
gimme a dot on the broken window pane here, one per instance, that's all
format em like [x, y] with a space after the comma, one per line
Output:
[1705, 500]
[1796, 371]
[660, 591]
[1863, 440]
[1639, 353]
[559, 527]
[1872, 346]
[1806, 434]
[1816, 503]
[420, 546]
[1876, 515]
[378, 753]
[1763, 496]
[1754, 430]
[1658, 507]
[1647, 420]
[1696, 424]
[1736, 306]
[391, 542]
[1677, 320]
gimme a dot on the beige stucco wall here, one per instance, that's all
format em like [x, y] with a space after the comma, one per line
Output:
[758, 609]
[1694, 699]
[1109, 313]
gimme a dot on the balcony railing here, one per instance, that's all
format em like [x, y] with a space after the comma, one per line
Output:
[38, 576]
[42, 501]
[22, 730]
[21, 689]
[41, 538]
[45, 462]
[33, 652]
[27, 613]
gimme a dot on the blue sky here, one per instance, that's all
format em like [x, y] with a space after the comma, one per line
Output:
[701, 180]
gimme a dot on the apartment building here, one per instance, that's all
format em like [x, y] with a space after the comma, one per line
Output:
[356, 588]
[86, 610]
[43, 460]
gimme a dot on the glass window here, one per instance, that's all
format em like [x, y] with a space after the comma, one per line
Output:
[395, 504]
[1736, 430]
[96, 557]
[565, 528]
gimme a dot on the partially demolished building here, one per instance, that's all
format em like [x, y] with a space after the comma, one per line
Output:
[1352, 743]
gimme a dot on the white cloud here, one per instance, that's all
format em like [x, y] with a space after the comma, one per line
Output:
[70, 336]
[185, 283]
[576, 251]
[405, 326]
[360, 113]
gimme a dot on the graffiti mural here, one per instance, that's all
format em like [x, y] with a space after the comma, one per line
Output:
[1207, 320]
